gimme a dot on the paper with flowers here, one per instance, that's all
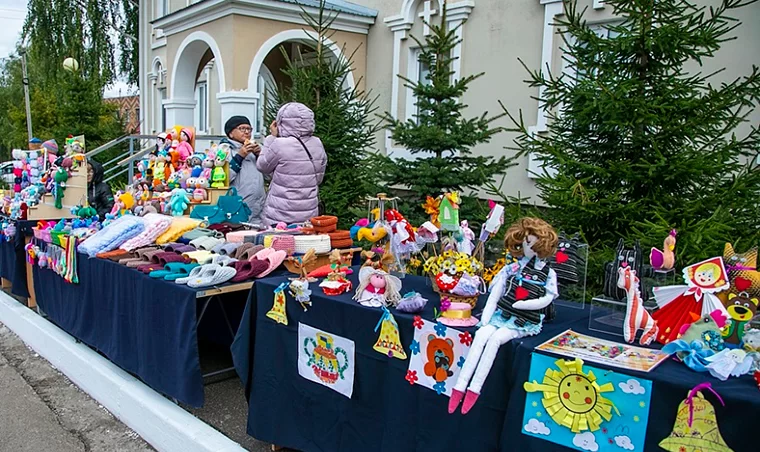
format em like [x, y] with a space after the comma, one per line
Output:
[437, 355]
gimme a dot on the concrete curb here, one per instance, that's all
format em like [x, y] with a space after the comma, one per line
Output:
[164, 425]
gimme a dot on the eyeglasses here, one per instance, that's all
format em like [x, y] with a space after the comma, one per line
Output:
[245, 129]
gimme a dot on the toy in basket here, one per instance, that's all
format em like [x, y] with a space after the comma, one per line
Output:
[456, 275]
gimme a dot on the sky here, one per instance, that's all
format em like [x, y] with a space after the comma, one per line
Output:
[12, 14]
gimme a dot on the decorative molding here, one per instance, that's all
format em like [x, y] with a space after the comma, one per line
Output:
[192, 38]
[598, 4]
[210, 10]
[400, 24]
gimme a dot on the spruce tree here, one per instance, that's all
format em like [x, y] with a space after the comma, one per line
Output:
[640, 141]
[344, 116]
[438, 135]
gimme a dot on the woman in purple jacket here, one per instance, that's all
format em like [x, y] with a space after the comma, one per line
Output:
[296, 160]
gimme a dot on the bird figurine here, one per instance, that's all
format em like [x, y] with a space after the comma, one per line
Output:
[665, 259]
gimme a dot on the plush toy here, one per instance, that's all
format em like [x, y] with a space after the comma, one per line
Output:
[208, 166]
[159, 169]
[178, 202]
[61, 176]
[377, 288]
[184, 148]
[636, 316]
[160, 142]
[665, 259]
[520, 293]
[199, 195]
[195, 164]
[218, 176]
[698, 340]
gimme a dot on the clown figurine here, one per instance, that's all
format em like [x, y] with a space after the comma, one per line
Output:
[520, 295]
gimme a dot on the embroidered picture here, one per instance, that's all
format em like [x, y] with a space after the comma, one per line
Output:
[326, 359]
[437, 355]
[585, 408]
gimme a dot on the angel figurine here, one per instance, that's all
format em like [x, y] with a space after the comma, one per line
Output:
[520, 292]
[465, 243]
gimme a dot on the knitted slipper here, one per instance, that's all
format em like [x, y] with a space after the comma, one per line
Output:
[218, 248]
[250, 252]
[114, 255]
[200, 256]
[182, 249]
[169, 269]
[241, 249]
[194, 273]
[262, 254]
[149, 267]
[166, 257]
[223, 260]
[206, 243]
[228, 248]
[172, 247]
[275, 260]
[183, 271]
[248, 269]
[213, 275]
[145, 257]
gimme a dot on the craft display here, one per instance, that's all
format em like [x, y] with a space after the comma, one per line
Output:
[437, 355]
[699, 340]
[326, 359]
[412, 303]
[456, 275]
[278, 311]
[696, 427]
[516, 306]
[377, 288]
[680, 305]
[665, 259]
[585, 408]
[624, 257]
[389, 342]
[636, 315]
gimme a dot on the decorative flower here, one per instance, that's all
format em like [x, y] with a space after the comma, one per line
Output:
[414, 347]
[460, 363]
[440, 387]
[445, 304]
[411, 376]
[440, 329]
[417, 322]
[465, 338]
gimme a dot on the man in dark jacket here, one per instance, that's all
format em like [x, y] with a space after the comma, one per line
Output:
[99, 194]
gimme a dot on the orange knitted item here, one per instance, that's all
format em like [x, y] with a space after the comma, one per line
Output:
[324, 224]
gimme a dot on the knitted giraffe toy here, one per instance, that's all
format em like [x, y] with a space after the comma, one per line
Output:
[636, 316]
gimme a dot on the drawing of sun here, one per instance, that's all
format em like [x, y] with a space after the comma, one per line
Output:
[572, 398]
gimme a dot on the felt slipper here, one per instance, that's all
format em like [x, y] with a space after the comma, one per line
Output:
[169, 269]
[183, 271]
[275, 260]
[248, 269]
[194, 273]
[223, 260]
[212, 275]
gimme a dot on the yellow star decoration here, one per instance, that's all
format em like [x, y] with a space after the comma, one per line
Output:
[642, 404]
[573, 398]
[635, 419]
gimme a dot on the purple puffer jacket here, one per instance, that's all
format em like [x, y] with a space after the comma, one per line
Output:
[294, 191]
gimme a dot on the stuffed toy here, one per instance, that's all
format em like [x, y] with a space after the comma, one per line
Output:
[665, 259]
[698, 341]
[218, 176]
[520, 293]
[195, 163]
[208, 165]
[377, 288]
[636, 316]
[184, 149]
[741, 309]
[159, 168]
[742, 273]
[465, 238]
[178, 202]
[60, 178]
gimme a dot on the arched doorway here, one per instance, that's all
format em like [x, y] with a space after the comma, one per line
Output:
[194, 83]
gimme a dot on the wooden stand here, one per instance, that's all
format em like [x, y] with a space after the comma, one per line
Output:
[74, 194]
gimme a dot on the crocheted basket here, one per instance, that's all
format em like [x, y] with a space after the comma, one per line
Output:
[239, 236]
[324, 224]
[285, 243]
[319, 243]
[472, 301]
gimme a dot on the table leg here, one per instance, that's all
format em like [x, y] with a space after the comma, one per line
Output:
[206, 303]
[32, 301]
[6, 284]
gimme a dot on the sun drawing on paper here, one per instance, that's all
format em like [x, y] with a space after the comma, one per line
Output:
[572, 398]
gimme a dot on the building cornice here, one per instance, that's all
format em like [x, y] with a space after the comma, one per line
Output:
[203, 12]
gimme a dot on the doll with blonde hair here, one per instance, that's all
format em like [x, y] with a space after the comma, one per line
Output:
[518, 295]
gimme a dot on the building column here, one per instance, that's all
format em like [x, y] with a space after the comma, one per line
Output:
[234, 103]
[179, 112]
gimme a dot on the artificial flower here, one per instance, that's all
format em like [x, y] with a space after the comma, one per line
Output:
[418, 322]
[465, 338]
[411, 376]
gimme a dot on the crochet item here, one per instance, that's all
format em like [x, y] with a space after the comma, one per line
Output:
[206, 243]
[285, 243]
[179, 226]
[239, 236]
[212, 275]
[115, 234]
[198, 232]
[249, 253]
[274, 260]
[412, 303]
[228, 248]
[155, 225]
[143, 256]
[201, 257]
[319, 243]
[325, 223]
[249, 269]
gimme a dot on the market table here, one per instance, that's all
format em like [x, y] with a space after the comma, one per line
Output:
[386, 413]
[146, 326]
[13, 260]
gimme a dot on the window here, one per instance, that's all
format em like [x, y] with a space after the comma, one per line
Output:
[266, 87]
[162, 98]
[418, 71]
[201, 99]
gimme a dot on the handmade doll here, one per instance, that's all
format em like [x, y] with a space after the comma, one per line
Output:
[184, 149]
[160, 142]
[665, 259]
[519, 293]
[195, 164]
[218, 176]
[377, 288]
[467, 237]
[680, 305]
[208, 165]
[159, 169]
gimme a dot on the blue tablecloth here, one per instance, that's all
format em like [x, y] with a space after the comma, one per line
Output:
[386, 413]
[145, 326]
[13, 259]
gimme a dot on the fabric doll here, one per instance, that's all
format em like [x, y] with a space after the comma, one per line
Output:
[377, 288]
[184, 148]
[518, 294]
[465, 244]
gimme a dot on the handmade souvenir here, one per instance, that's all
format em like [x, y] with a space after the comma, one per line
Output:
[458, 315]
[636, 315]
[336, 282]
[326, 359]
[159, 168]
[729, 363]
[741, 309]
[195, 163]
[520, 295]
[278, 312]
[432, 207]
[465, 242]
[742, 273]
[624, 257]
[449, 212]
[679, 305]
[568, 261]
[412, 303]
[377, 258]
[377, 288]
[60, 178]
[178, 202]
[427, 233]
[665, 259]
[696, 427]
[184, 149]
[389, 341]
[698, 340]
[219, 176]
[494, 221]
[752, 340]
[447, 269]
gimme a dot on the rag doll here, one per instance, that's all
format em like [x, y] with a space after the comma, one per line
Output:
[679, 305]
[377, 288]
[519, 294]
[184, 149]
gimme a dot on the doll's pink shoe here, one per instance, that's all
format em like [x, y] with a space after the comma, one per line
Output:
[469, 400]
[455, 400]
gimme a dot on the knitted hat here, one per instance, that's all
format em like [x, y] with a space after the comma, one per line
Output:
[51, 146]
[187, 132]
[234, 122]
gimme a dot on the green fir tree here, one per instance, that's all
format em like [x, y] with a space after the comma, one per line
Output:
[640, 141]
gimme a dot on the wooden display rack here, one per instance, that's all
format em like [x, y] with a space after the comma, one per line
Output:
[74, 194]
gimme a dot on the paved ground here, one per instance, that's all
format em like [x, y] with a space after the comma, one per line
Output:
[41, 410]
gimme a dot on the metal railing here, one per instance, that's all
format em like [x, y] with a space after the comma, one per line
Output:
[137, 146]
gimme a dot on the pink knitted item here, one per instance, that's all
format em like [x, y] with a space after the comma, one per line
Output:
[275, 260]
[155, 225]
[285, 243]
[455, 400]
[469, 400]
[464, 322]
[239, 236]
